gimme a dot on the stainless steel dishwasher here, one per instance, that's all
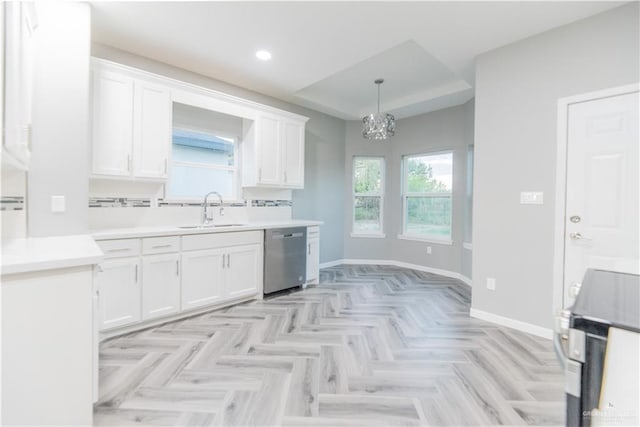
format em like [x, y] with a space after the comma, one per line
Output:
[285, 258]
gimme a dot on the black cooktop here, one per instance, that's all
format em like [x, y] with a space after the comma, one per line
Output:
[609, 299]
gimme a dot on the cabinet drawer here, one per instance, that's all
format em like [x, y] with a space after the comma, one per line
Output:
[160, 245]
[119, 248]
[220, 240]
[313, 232]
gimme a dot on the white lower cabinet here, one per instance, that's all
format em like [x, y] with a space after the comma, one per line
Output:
[155, 277]
[313, 254]
[160, 285]
[243, 271]
[202, 281]
[119, 292]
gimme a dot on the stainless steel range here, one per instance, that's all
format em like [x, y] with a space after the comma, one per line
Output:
[598, 342]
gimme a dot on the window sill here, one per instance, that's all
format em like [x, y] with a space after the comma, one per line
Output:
[467, 246]
[424, 239]
[369, 235]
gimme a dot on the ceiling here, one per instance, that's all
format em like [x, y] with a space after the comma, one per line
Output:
[326, 55]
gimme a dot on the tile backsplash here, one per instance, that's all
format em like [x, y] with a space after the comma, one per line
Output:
[12, 203]
[129, 202]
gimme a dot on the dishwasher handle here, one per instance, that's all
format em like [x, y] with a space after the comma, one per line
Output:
[287, 235]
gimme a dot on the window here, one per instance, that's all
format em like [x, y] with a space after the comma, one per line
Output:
[201, 162]
[368, 193]
[426, 196]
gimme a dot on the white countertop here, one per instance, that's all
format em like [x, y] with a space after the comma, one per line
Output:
[168, 230]
[48, 253]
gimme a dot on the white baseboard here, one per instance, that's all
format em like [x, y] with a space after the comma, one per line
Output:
[438, 271]
[512, 323]
[331, 263]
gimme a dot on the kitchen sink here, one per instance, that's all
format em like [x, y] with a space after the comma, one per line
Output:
[196, 226]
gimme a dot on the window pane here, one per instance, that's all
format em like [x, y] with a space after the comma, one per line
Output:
[200, 147]
[367, 175]
[367, 214]
[429, 216]
[192, 182]
[429, 173]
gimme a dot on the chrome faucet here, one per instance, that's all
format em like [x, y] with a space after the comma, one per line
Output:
[206, 219]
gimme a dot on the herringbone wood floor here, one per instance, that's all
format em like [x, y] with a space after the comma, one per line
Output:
[368, 346]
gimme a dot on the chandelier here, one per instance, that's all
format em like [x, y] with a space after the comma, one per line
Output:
[379, 125]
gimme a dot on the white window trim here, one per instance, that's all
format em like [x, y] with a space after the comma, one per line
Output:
[380, 194]
[419, 238]
[405, 195]
[235, 179]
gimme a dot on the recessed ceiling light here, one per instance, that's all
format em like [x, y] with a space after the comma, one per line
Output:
[263, 54]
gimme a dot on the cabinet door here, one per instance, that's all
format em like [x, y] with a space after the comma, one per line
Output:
[119, 292]
[268, 151]
[112, 123]
[313, 260]
[160, 285]
[243, 271]
[202, 278]
[293, 154]
[151, 130]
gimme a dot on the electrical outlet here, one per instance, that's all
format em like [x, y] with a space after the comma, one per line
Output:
[491, 283]
[429, 250]
[58, 204]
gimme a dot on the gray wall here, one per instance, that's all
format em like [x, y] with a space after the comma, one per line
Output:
[517, 89]
[436, 131]
[60, 144]
[321, 198]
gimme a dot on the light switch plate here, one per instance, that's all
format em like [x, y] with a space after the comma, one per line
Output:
[531, 198]
[58, 204]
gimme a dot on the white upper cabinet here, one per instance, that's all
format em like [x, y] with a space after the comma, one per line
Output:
[112, 123]
[273, 152]
[268, 150]
[131, 126]
[293, 154]
[16, 81]
[151, 130]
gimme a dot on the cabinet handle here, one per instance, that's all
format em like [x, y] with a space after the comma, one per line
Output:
[223, 255]
[160, 246]
[228, 260]
[118, 250]
[309, 249]
[136, 273]
[177, 267]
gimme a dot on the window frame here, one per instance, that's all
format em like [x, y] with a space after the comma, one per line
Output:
[379, 194]
[235, 178]
[405, 196]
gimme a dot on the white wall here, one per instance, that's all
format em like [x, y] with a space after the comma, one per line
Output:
[517, 89]
[436, 131]
[60, 145]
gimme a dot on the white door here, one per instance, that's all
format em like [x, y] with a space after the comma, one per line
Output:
[268, 151]
[602, 188]
[293, 150]
[160, 285]
[119, 292]
[112, 123]
[152, 130]
[202, 278]
[243, 270]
